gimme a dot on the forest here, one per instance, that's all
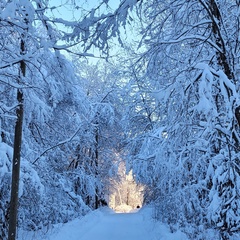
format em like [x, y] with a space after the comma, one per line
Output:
[92, 91]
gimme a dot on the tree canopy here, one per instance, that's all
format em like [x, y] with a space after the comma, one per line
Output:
[166, 100]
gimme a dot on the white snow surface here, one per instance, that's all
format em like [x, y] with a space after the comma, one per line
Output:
[104, 224]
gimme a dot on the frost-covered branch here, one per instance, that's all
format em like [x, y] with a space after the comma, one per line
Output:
[57, 145]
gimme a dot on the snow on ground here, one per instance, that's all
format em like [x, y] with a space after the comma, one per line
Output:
[124, 208]
[104, 224]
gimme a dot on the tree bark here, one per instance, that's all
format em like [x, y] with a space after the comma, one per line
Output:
[16, 156]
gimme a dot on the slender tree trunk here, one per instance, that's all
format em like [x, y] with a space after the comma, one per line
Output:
[16, 156]
[96, 168]
[120, 197]
[216, 27]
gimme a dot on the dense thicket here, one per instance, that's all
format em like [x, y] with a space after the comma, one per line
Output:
[190, 157]
[67, 143]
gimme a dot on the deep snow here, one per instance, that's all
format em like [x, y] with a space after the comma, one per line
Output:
[104, 224]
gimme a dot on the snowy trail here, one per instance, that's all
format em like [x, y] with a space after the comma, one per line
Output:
[104, 224]
[118, 226]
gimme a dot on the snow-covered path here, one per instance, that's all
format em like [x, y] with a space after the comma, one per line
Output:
[104, 224]
[118, 226]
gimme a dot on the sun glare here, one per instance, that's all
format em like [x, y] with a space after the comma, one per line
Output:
[127, 195]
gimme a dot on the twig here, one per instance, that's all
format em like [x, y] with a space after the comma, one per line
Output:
[57, 145]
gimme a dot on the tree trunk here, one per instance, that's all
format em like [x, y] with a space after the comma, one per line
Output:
[96, 167]
[216, 27]
[16, 156]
